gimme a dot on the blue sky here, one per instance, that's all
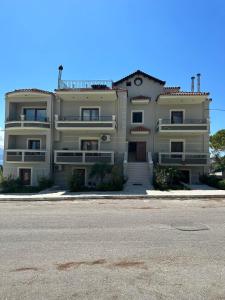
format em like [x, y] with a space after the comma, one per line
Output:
[101, 39]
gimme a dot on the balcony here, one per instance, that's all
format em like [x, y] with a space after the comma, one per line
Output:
[85, 84]
[25, 156]
[21, 123]
[84, 123]
[183, 159]
[83, 157]
[188, 125]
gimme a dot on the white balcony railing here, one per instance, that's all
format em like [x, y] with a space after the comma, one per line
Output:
[84, 84]
[183, 158]
[83, 157]
[25, 155]
[21, 122]
[187, 125]
[80, 122]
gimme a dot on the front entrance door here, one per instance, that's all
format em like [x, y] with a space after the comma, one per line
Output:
[141, 151]
[25, 176]
[80, 175]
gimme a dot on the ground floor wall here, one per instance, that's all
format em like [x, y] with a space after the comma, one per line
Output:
[37, 171]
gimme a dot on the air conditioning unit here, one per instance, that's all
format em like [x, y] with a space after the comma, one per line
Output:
[58, 168]
[106, 138]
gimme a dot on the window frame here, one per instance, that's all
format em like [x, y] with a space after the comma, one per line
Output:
[34, 108]
[89, 138]
[175, 110]
[33, 139]
[178, 140]
[137, 111]
[91, 107]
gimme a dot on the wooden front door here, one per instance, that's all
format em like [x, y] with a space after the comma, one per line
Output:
[141, 151]
[80, 174]
[25, 176]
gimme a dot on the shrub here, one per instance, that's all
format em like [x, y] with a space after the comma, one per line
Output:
[213, 181]
[165, 178]
[221, 184]
[44, 183]
[75, 183]
[10, 184]
[117, 177]
[100, 170]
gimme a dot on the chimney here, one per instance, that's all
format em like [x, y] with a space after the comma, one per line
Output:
[198, 82]
[60, 75]
[193, 83]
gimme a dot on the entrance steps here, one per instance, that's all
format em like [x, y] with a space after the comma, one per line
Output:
[139, 176]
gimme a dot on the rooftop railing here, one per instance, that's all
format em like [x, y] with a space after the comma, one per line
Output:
[85, 84]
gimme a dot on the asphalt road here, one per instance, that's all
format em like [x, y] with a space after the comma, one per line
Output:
[120, 249]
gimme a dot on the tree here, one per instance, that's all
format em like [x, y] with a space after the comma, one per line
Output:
[217, 144]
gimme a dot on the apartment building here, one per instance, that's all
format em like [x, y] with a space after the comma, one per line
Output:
[136, 121]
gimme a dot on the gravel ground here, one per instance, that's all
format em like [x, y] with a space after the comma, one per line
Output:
[113, 249]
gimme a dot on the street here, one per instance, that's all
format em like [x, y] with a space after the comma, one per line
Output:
[112, 249]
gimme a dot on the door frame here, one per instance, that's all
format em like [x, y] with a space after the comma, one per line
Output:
[31, 174]
[85, 173]
[189, 170]
[176, 109]
[178, 140]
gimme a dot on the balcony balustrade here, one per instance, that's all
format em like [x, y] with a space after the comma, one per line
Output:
[183, 158]
[23, 156]
[91, 123]
[187, 125]
[83, 157]
[20, 122]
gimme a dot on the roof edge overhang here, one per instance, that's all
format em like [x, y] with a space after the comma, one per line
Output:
[139, 72]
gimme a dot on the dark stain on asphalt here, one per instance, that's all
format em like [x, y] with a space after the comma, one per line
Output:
[129, 264]
[76, 264]
[25, 269]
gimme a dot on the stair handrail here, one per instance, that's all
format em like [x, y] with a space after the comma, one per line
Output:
[150, 161]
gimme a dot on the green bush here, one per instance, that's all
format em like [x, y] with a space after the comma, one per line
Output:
[75, 183]
[14, 185]
[44, 183]
[213, 181]
[165, 178]
[221, 184]
[10, 184]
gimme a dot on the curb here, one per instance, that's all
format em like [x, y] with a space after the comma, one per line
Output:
[115, 197]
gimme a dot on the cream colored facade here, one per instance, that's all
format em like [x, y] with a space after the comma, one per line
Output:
[135, 119]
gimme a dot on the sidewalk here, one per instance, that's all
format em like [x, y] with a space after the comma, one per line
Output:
[196, 192]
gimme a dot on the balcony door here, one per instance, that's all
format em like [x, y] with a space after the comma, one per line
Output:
[35, 114]
[177, 147]
[177, 117]
[34, 144]
[89, 145]
[90, 114]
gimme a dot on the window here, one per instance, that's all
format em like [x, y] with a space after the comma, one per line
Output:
[35, 114]
[128, 83]
[88, 145]
[137, 117]
[90, 114]
[34, 144]
[177, 117]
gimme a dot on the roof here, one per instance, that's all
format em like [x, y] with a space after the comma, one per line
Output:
[140, 129]
[32, 90]
[138, 72]
[140, 97]
[185, 94]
